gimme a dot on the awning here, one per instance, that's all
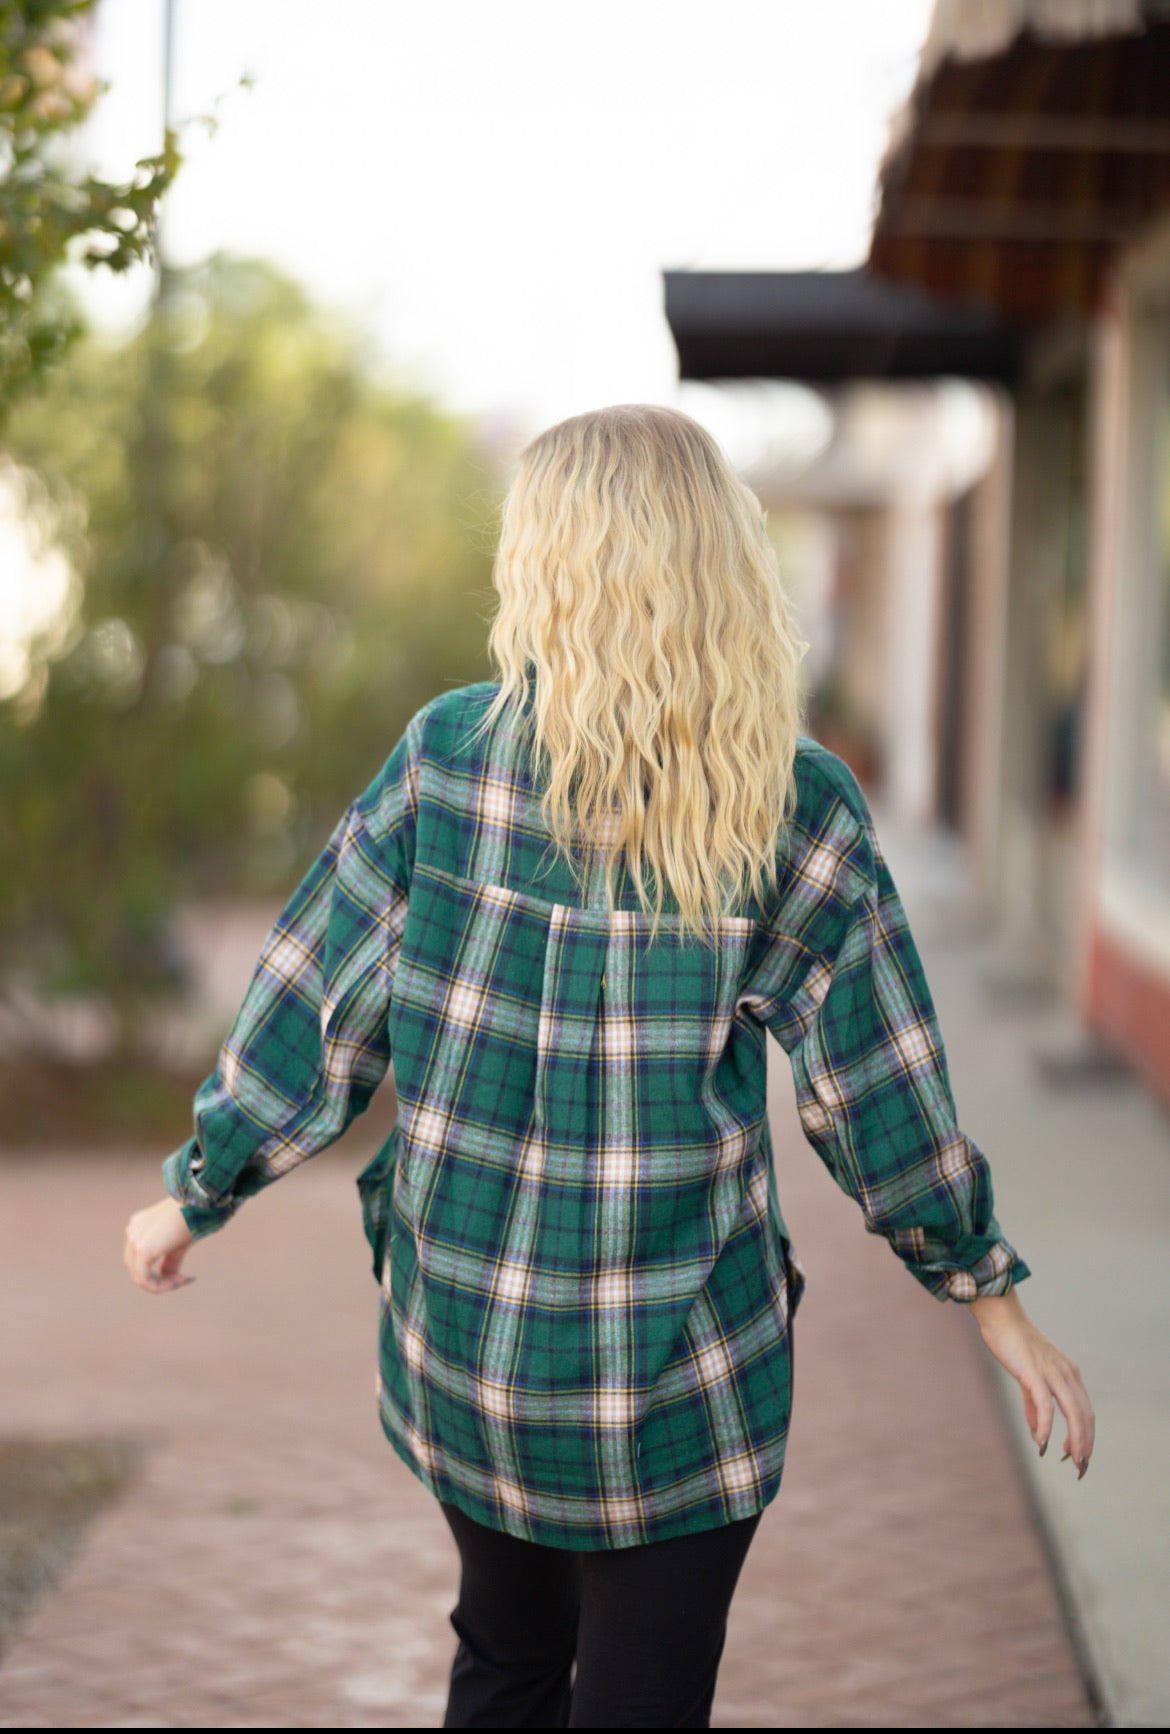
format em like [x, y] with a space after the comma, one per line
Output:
[974, 29]
[1035, 144]
[829, 327]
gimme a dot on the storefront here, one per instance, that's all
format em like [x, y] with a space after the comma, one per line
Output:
[1029, 176]
[1023, 240]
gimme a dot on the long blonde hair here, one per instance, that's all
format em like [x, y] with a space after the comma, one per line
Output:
[640, 594]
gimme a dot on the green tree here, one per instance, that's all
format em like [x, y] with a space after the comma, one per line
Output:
[49, 212]
[278, 560]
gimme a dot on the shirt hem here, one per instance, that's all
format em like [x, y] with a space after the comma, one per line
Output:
[692, 1522]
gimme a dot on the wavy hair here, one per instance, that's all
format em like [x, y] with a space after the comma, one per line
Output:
[640, 608]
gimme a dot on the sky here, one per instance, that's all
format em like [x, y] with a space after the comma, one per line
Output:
[493, 189]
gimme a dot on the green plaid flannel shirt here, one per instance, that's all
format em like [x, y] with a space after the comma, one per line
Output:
[586, 1283]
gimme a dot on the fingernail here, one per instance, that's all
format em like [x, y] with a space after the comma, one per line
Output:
[1044, 1448]
[1066, 1457]
[1083, 1466]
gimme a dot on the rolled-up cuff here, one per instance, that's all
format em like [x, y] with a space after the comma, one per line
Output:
[997, 1272]
[202, 1213]
[999, 1269]
[964, 1269]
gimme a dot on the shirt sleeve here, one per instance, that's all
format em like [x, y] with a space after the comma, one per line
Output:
[309, 1046]
[874, 1094]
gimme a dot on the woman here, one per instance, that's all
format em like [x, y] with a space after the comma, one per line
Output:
[569, 909]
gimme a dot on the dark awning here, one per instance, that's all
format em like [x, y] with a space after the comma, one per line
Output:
[829, 327]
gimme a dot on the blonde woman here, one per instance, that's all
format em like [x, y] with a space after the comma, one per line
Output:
[569, 909]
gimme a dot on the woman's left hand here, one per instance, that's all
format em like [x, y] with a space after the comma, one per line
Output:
[1048, 1379]
[157, 1239]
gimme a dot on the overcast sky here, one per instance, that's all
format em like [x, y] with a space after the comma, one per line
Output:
[493, 187]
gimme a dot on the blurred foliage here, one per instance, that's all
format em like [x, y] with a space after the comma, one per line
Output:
[48, 211]
[277, 560]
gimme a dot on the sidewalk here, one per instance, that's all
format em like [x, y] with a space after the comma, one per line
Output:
[1082, 1187]
[276, 1566]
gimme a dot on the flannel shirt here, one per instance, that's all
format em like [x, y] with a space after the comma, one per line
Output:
[586, 1284]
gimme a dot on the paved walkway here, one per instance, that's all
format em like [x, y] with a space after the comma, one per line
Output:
[1082, 1184]
[278, 1567]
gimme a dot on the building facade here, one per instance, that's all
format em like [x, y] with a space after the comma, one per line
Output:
[1023, 241]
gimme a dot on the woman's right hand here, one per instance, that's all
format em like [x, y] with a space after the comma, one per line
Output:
[157, 1240]
[1048, 1379]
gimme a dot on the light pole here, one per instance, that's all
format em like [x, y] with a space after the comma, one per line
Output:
[168, 74]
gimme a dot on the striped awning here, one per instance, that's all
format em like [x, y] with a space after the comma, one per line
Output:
[1035, 144]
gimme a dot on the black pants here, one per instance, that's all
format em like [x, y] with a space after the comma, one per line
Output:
[644, 1625]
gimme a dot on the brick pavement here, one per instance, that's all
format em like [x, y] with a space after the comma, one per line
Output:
[278, 1567]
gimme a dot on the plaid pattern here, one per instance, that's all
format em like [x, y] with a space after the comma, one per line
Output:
[586, 1281]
